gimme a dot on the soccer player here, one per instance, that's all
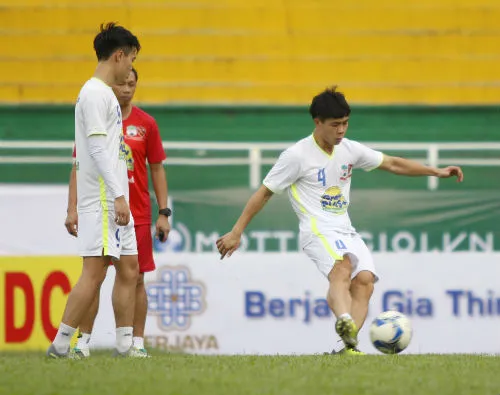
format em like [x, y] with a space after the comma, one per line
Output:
[142, 137]
[106, 228]
[316, 174]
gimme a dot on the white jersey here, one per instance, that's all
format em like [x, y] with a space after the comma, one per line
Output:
[319, 184]
[97, 112]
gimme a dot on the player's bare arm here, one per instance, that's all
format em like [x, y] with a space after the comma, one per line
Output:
[159, 179]
[230, 242]
[71, 222]
[407, 167]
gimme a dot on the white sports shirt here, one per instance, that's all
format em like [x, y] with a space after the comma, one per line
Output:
[97, 112]
[319, 184]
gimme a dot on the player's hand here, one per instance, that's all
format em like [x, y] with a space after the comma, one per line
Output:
[451, 171]
[162, 228]
[71, 223]
[228, 243]
[122, 211]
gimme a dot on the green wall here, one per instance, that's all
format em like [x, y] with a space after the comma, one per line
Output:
[270, 123]
[405, 124]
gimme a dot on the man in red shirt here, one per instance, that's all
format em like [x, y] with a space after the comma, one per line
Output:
[143, 140]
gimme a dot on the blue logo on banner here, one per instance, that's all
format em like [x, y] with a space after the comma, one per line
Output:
[175, 298]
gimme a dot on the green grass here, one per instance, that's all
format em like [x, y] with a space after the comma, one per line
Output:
[22, 374]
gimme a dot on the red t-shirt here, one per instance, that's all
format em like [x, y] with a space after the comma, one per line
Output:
[141, 134]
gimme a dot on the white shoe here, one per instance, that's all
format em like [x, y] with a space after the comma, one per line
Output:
[139, 353]
[132, 352]
[80, 353]
[53, 353]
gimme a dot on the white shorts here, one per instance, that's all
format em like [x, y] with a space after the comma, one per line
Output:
[99, 235]
[324, 250]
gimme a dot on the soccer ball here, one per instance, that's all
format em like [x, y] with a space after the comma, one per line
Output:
[390, 332]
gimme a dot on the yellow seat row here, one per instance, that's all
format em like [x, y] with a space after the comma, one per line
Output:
[271, 47]
[299, 19]
[230, 51]
[267, 94]
[255, 3]
[322, 71]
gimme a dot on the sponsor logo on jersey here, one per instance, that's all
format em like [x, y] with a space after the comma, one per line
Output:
[126, 154]
[333, 201]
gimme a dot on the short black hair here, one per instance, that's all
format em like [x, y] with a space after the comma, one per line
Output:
[135, 74]
[113, 37]
[329, 104]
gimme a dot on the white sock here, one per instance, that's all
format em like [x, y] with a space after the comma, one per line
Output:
[345, 315]
[124, 338]
[139, 342]
[83, 341]
[63, 338]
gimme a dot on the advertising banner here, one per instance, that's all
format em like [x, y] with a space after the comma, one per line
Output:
[275, 303]
[32, 221]
[388, 220]
[268, 303]
[33, 295]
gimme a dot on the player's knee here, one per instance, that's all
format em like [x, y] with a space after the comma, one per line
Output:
[132, 273]
[363, 282]
[140, 280]
[128, 270]
[364, 278]
[341, 272]
[93, 276]
[94, 283]
[98, 278]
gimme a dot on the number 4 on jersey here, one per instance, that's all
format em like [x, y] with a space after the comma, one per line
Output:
[321, 176]
[340, 245]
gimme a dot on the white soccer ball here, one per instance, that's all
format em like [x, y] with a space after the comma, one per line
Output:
[390, 332]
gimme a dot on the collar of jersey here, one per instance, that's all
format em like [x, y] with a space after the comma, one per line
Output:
[101, 81]
[321, 149]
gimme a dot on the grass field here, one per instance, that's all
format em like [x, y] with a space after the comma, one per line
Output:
[32, 373]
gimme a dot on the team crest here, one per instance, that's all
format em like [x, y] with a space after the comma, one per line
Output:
[346, 172]
[135, 132]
